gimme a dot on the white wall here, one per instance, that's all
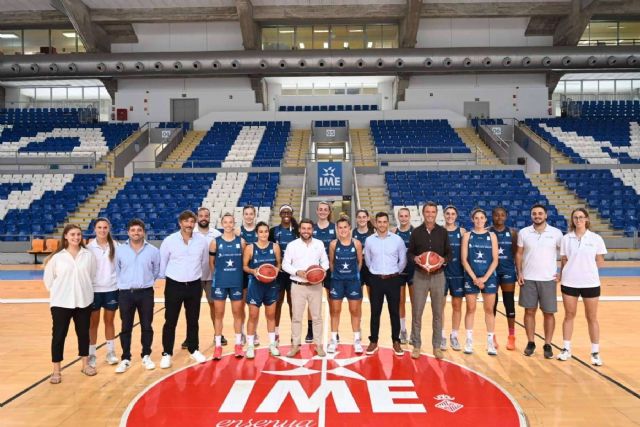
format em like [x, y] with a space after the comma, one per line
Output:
[510, 95]
[184, 37]
[477, 32]
[368, 99]
[13, 98]
[214, 94]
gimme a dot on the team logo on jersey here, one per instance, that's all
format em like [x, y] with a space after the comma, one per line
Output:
[229, 263]
[507, 234]
[500, 250]
[343, 389]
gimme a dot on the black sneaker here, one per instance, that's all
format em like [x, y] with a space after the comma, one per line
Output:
[184, 345]
[223, 340]
[309, 338]
[548, 353]
[530, 349]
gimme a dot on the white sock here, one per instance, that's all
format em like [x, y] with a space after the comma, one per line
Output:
[238, 339]
[250, 339]
[470, 334]
[110, 346]
[454, 333]
[595, 348]
[490, 336]
[272, 337]
[356, 336]
[403, 324]
[277, 330]
[444, 334]
[334, 336]
[92, 350]
[242, 329]
[567, 345]
[218, 339]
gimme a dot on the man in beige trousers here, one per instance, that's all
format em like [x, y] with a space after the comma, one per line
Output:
[300, 255]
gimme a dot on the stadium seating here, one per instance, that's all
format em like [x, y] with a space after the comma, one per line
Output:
[37, 204]
[610, 109]
[469, 189]
[330, 123]
[314, 108]
[416, 137]
[613, 193]
[481, 122]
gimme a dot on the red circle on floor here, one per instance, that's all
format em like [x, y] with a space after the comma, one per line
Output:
[343, 389]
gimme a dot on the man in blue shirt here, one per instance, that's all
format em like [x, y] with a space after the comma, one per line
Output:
[386, 256]
[137, 268]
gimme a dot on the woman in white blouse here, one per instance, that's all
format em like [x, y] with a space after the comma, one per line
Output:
[581, 252]
[68, 275]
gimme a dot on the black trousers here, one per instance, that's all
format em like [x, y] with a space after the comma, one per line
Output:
[129, 302]
[61, 319]
[380, 288]
[176, 294]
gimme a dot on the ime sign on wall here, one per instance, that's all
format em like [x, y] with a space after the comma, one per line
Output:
[329, 178]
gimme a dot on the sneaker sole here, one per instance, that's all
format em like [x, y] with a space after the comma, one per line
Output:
[372, 352]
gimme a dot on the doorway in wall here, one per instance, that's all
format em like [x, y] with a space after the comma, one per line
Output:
[184, 110]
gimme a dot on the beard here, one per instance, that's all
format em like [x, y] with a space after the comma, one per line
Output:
[203, 224]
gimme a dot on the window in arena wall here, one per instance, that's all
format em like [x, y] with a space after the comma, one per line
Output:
[286, 38]
[373, 36]
[43, 95]
[389, 36]
[629, 33]
[606, 87]
[573, 87]
[11, 42]
[339, 37]
[269, 38]
[304, 37]
[623, 88]
[321, 37]
[611, 33]
[590, 87]
[64, 41]
[355, 36]
[36, 41]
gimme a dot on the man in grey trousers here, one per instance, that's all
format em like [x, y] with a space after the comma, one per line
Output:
[429, 236]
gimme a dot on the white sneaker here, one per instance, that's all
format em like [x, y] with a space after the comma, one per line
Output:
[198, 357]
[165, 362]
[468, 347]
[595, 359]
[123, 366]
[251, 352]
[92, 360]
[491, 348]
[273, 349]
[148, 363]
[357, 347]
[443, 343]
[256, 340]
[112, 359]
[564, 355]
[331, 347]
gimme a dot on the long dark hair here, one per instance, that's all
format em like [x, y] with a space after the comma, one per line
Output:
[64, 244]
[112, 246]
[370, 228]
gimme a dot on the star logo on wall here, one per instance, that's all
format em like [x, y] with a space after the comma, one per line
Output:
[330, 171]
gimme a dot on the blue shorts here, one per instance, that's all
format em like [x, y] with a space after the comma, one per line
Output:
[326, 283]
[364, 274]
[106, 300]
[351, 289]
[284, 281]
[408, 273]
[490, 286]
[507, 277]
[221, 294]
[455, 286]
[262, 293]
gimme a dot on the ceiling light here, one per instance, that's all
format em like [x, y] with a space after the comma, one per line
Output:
[356, 31]
[71, 35]
[369, 45]
[345, 44]
[325, 45]
[301, 45]
[8, 36]
[286, 31]
[320, 31]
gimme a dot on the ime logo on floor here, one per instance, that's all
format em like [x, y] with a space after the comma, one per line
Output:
[343, 389]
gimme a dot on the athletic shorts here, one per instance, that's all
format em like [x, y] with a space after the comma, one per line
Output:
[221, 294]
[284, 281]
[364, 275]
[408, 273]
[507, 277]
[106, 300]
[326, 283]
[245, 280]
[534, 292]
[581, 292]
[206, 287]
[351, 289]
[455, 286]
[262, 293]
[490, 286]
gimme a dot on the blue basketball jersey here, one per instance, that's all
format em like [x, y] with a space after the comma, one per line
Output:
[228, 268]
[479, 254]
[248, 236]
[283, 236]
[345, 262]
[506, 263]
[325, 235]
[361, 237]
[262, 256]
[454, 267]
[406, 235]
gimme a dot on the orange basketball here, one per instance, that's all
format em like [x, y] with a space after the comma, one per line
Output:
[430, 261]
[316, 274]
[266, 273]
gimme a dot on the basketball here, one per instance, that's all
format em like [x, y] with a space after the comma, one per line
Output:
[266, 273]
[315, 274]
[430, 261]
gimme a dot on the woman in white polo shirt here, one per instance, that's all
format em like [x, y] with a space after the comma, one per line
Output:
[582, 252]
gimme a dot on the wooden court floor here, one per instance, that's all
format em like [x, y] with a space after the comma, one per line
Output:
[550, 392]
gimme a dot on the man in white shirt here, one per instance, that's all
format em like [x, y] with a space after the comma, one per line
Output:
[537, 266]
[298, 257]
[203, 228]
[183, 256]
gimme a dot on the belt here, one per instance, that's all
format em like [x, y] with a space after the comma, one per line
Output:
[303, 283]
[387, 276]
[193, 282]
[136, 289]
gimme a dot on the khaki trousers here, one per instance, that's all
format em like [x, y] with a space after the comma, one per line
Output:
[300, 296]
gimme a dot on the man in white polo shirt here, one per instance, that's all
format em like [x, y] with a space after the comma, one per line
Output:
[537, 265]
[183, 256]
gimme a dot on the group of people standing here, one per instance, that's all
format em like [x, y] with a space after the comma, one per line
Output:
[86, 281]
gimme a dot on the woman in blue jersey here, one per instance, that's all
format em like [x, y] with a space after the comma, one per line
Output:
[325, 231]
[345, 261]
[363, 230]
[247, 231]
[283, 234]
[454, 277]
[261, 252]
[404, 230]
[506, 271]
[479, 255]
[225, 261]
